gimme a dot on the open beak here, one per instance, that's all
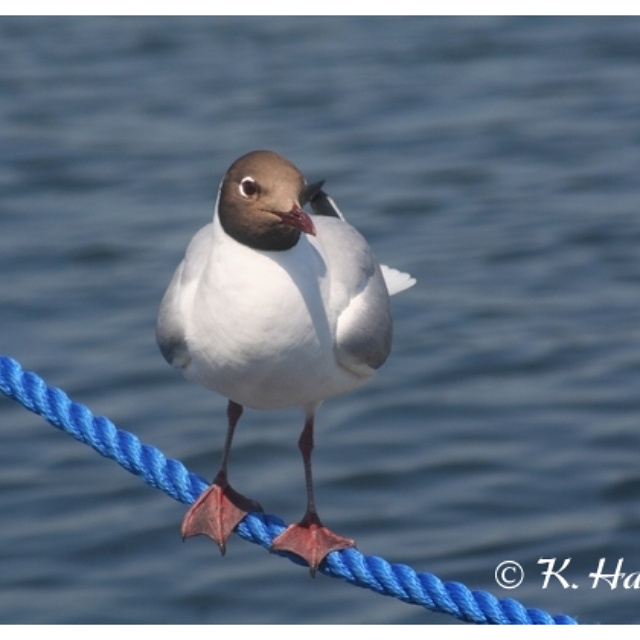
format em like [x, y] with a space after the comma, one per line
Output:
[298, 219]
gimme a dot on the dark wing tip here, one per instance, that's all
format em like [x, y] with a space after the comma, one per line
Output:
[323, 205]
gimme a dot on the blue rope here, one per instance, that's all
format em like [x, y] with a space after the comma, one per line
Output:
[171, 476]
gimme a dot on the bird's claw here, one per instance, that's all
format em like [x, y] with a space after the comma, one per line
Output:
[310, 540]
[216, 513]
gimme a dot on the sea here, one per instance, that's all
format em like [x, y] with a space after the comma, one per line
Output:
[496, 159]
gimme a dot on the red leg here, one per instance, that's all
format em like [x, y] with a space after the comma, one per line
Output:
[309, 538]
[220, 507]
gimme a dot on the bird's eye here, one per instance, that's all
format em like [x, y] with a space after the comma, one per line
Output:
[248, 187]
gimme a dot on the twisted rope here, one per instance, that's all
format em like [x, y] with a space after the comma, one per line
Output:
[172, 477]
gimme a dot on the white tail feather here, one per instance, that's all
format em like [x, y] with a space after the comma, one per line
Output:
[395, 280]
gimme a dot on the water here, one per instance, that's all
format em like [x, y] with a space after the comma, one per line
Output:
[494, 159]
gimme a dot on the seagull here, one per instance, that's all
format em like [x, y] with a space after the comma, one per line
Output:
[272, 307]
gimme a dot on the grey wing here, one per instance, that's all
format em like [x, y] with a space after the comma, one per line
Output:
[323, 205]
[171, 326]
[364, 325]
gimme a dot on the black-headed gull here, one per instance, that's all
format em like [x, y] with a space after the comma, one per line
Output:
[273, 308]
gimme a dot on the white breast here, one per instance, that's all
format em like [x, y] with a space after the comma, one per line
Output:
[259, 326]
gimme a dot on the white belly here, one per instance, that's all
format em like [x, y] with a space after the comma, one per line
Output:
[260, 333]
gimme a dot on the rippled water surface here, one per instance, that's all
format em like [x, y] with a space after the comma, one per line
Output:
[496, 160]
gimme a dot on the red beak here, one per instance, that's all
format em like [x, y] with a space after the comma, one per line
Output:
[298, 219]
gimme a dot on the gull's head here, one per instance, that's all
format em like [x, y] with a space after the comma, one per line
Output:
[261, 199]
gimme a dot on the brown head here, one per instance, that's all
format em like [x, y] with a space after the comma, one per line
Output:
[261, 201]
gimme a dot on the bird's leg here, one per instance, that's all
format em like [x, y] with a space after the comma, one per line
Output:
[309, 538]
[220, 507]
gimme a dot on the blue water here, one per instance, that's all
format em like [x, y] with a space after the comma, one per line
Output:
[496, 160]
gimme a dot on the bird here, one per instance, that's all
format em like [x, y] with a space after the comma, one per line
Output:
[274, 307]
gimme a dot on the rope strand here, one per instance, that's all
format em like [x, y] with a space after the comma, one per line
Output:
[172, 477]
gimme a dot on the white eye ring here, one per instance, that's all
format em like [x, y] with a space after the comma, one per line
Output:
[248, 187]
